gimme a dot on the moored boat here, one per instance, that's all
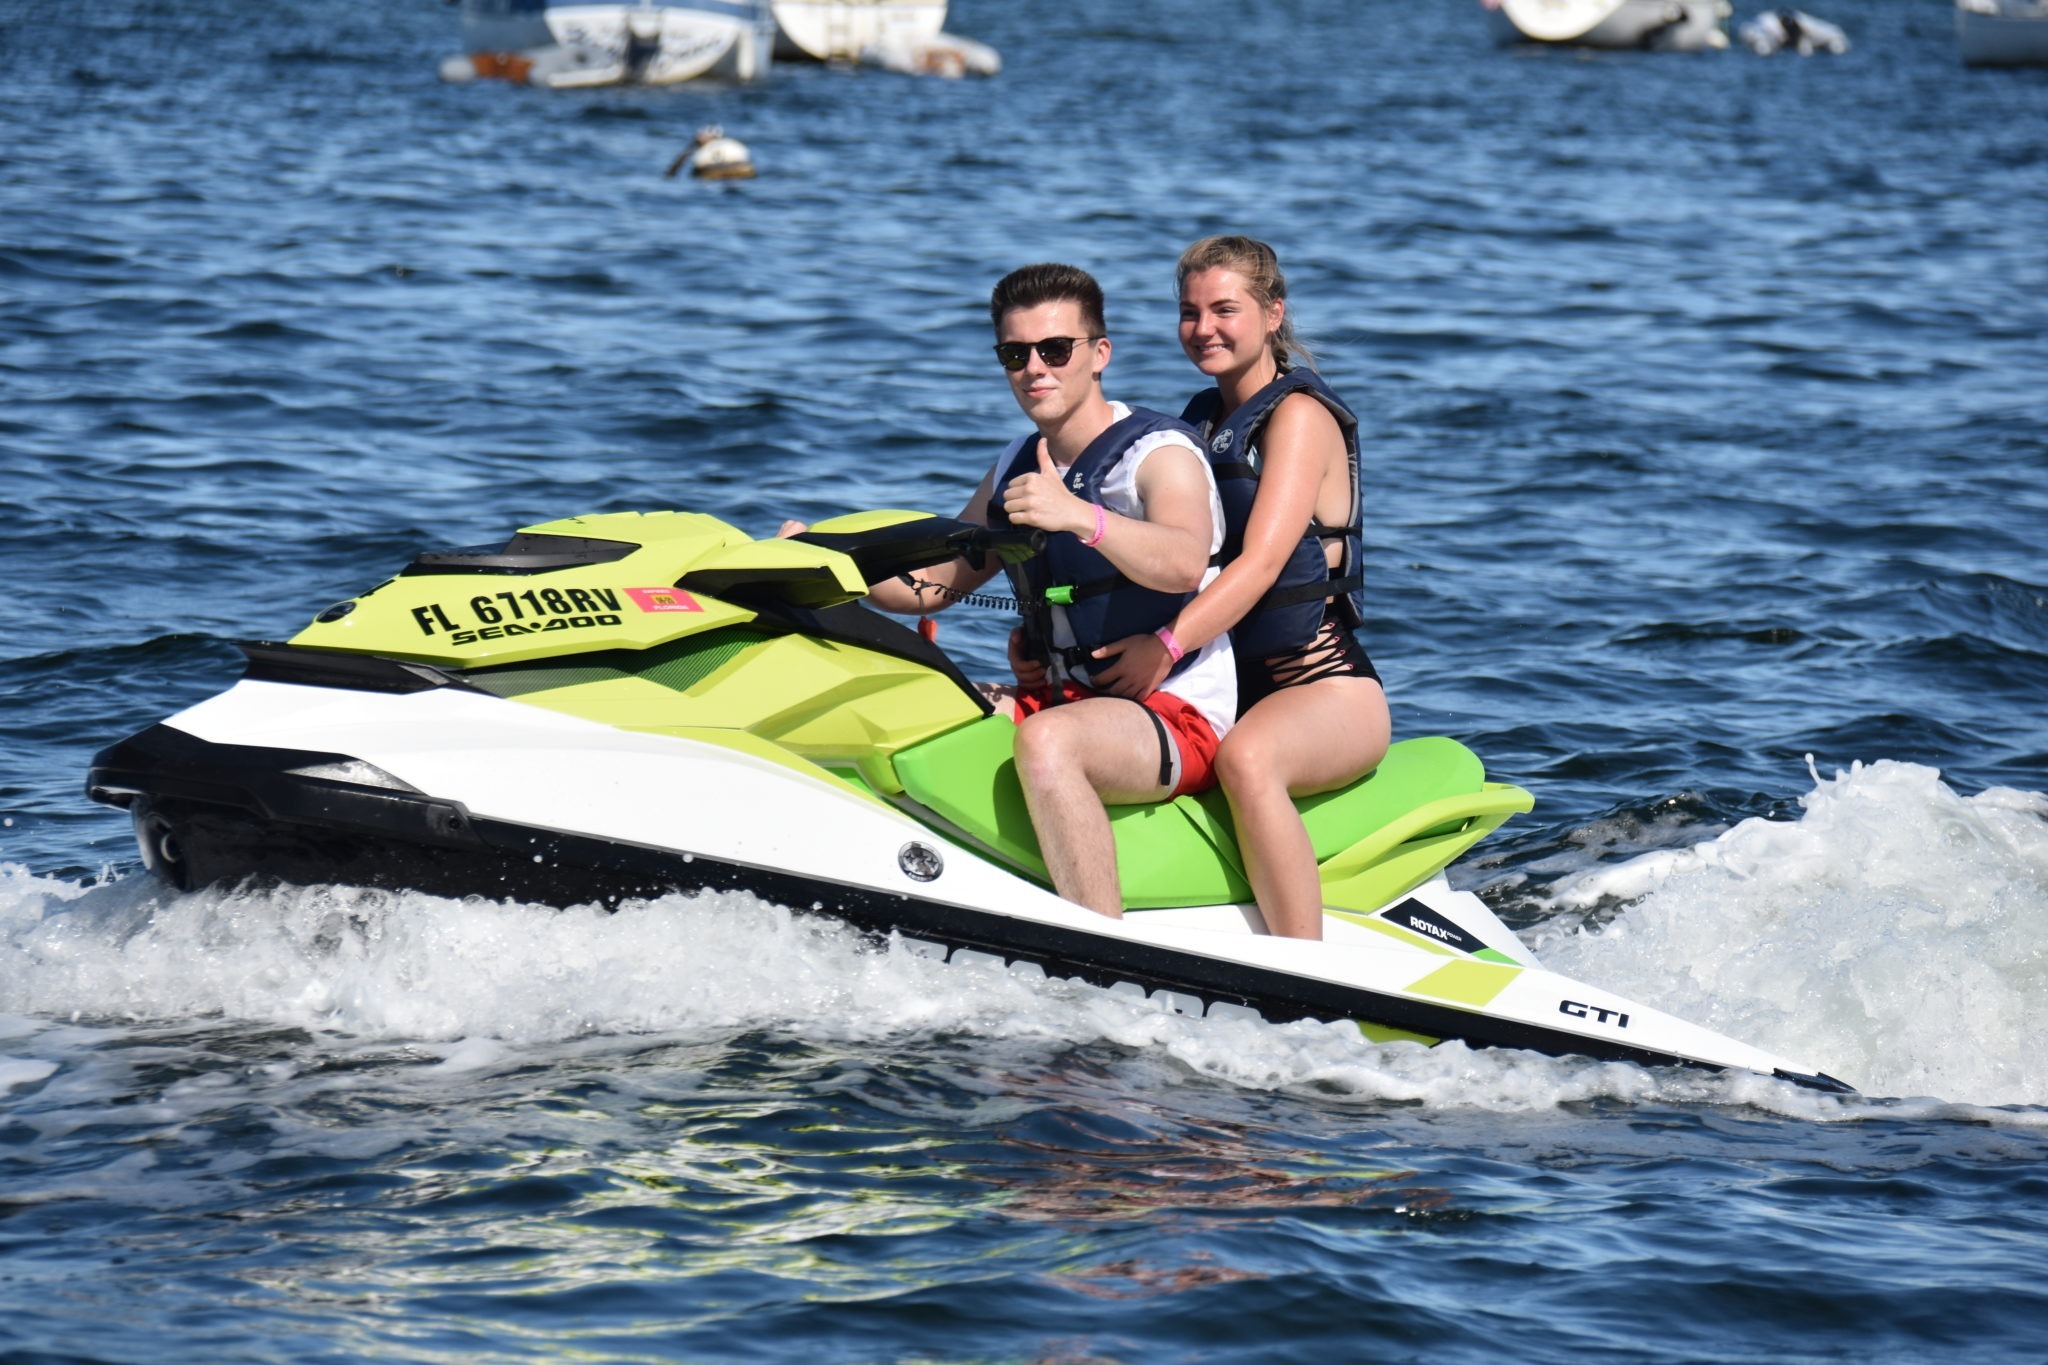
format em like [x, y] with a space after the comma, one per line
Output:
[841, 30]
[642, 43]
[1643, 25]
[2002, 32]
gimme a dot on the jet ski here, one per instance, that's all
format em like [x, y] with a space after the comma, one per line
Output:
[634, 704]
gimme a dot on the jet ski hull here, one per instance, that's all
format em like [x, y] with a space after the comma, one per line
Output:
[409, 790]
[634, 704]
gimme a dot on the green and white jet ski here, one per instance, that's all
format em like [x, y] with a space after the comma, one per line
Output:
[637, 703]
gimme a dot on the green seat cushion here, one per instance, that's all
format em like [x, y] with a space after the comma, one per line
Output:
[1414, 771]
[1165, 851]
[1179, 852]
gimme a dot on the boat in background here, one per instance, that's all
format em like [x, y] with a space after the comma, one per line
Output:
[841, 30]
[896, 35]
[1643, 25]
[2002, 32]
[643, 43]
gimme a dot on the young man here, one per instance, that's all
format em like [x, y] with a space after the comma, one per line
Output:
[1131, 509]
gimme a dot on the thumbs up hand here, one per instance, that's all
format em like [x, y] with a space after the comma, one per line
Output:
[1041, 499]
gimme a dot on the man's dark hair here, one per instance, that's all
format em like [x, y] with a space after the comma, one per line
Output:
[1030, 285]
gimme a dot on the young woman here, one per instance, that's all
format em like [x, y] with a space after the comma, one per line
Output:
[1312, 715]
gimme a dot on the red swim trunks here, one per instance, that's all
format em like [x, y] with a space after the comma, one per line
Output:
[1187, 742]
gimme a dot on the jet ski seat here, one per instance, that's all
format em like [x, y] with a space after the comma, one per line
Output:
[1384, 834]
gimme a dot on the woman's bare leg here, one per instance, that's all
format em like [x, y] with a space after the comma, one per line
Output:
[1297, 742]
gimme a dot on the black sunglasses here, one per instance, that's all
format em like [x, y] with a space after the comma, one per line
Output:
[1054, 351]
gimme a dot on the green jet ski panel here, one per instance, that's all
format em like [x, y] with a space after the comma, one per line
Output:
[1383, 835]
[621, 580]
[825, 701]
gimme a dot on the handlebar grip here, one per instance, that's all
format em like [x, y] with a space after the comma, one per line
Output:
[1012, 545]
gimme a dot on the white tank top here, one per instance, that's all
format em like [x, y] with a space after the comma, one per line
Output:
[1209, 683]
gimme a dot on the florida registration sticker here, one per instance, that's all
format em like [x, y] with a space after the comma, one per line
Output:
[662, 599]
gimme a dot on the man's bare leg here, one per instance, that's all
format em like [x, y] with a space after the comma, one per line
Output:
[1074, 761]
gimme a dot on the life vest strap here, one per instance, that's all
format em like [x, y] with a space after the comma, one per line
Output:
[1094, 587]
[1310, 592]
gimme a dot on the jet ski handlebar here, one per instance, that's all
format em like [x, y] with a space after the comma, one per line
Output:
[886, 552]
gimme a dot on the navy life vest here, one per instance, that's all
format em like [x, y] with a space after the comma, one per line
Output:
[1106, 606]
[1291, 613]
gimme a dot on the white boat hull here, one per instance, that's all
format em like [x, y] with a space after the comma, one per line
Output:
[657, 45]
[1989, 33]
[573, 46]
[1633, 25]
[841, 30]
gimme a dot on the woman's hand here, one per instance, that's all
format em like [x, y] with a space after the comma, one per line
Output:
[791, 528]
[1142, 663]
[1041, 500]
[1030, 673]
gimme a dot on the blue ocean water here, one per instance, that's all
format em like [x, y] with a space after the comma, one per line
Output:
[1709, 464]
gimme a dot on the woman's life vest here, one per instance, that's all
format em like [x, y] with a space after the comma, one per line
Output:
[1291, 612]
[1100, 604]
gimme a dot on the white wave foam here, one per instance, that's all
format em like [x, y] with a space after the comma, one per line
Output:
[387, 965]
[1897, 933]
[472, 987]
[1769, 933]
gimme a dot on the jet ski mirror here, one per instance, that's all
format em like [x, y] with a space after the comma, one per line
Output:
[1012, 545]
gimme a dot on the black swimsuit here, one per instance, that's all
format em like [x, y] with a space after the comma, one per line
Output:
[1333, 653]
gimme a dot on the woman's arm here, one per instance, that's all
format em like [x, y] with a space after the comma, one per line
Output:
[1299, 446]
[1300, 441]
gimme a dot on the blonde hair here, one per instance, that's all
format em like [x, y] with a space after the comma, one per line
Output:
[1259, 267]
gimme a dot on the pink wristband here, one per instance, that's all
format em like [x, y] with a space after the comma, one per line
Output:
[1173, 649]
[1101, 525]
